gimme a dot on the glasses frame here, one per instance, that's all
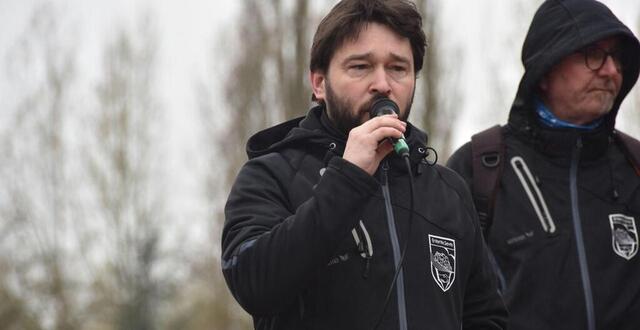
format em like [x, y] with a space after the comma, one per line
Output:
[593, 53]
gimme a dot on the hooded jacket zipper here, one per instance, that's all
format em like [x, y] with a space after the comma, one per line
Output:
[577, 226]
[395, 245]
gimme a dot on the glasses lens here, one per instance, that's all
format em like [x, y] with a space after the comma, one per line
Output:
[594, 57]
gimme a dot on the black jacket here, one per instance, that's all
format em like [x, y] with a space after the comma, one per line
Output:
[310, 240]
[565, 228]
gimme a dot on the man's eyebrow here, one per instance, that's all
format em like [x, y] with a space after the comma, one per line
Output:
[400, 58]
[356, 57]
[369, 55]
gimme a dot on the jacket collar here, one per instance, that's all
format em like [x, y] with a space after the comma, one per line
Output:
[558, 142]
[315, 131]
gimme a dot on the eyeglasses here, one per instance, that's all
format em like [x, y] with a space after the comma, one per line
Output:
[595, 57]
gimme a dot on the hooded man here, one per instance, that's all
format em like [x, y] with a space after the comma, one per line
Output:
[558, 188]
[323, 230]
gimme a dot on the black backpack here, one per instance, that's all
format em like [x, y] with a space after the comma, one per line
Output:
[488, 152]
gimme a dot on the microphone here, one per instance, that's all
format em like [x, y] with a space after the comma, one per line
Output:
[384, 106]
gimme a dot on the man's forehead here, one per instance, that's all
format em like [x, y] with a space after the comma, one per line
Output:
[369, 37]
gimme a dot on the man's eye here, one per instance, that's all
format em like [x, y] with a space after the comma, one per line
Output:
[398, 71]
[596, 54]
[616, 54]
[358, 67]
[358, 70]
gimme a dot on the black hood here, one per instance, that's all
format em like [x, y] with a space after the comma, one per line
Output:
[287, 134]
[313, 131]
[559, 28]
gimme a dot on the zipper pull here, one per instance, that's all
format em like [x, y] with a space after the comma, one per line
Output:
[385, 169]
[367, 258]
[367, 264]
[361, 248]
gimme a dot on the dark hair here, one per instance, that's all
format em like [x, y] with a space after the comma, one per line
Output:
[349, 17]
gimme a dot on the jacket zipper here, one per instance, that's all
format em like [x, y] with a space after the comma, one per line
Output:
[577, 227]
[395, 245]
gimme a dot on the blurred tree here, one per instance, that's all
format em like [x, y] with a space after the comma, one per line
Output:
[204, 300]
[38, 226]
[439, 91]
[266, 83]
[125, 175]
[503, 82]
[14, 312]
[496, 57]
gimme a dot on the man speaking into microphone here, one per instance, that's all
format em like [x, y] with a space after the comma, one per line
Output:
[327, 227]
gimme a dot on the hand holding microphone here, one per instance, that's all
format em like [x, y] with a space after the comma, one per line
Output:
[385, 106]
[363, 147]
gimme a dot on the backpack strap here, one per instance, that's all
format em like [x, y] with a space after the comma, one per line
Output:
[631, 149]
[487, 150]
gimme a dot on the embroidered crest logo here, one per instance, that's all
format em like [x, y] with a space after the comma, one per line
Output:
[443, 261]
[624, 235]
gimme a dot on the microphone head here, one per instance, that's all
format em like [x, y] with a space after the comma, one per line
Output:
[383, 106]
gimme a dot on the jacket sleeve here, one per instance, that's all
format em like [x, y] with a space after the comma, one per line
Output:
[460, 162]
[483, 305]
[270, 253]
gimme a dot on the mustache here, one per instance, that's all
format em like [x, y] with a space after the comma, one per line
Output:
[607, 85]
[364, 108]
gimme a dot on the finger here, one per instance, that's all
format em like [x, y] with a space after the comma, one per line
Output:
[386, 120]
[384, 148]
[390, 122]
[382, 133]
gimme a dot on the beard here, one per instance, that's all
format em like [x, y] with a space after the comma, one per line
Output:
[343, 116]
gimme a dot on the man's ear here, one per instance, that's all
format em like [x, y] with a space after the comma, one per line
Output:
[317, 80]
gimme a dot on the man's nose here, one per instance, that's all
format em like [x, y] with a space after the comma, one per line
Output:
[610, 66]
[380, 83]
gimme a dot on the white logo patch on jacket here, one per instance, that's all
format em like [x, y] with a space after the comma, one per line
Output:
[624, 235]
[443, 260]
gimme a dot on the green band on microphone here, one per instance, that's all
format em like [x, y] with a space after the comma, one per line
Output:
[401, 147]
